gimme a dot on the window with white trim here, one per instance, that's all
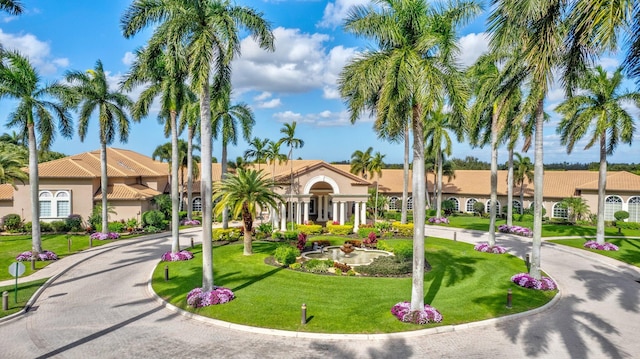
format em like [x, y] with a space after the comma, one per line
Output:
[45, 200]
[470, 203]
[488, 207]
[56, 205]
[559, 211]
[516, 207]
[634, 209]
[393, 203]
[410, 204]
[196, 204]
[612, 204]
[456, 204]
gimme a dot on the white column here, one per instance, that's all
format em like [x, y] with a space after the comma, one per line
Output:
[326, 207]
[342, 210]
[335, 211]
[274, 218]
[356, 220]
[298, 213]
[363, 213]
[320, 208]
[306, 212]
[283, 216]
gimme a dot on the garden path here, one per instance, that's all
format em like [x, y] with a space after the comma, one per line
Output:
[101, 307]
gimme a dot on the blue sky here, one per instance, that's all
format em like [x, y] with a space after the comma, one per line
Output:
[296, 82]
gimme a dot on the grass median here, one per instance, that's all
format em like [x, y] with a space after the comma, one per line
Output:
[629, 249]
[25, 292]
[464, 285]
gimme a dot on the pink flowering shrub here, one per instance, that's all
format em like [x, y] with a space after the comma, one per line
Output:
[484, 247]
[372, 239]
[438, 220]
[198, 298]
[527, 281]
[104, 236]
[521, 231]
[183, 255]
[402, 311]
[602, 247]
[44, 256]
[190, 222]
[302, 241]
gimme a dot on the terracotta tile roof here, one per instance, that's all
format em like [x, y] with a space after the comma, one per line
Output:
[121, 191]
[391, 180]
[120, 163]
[6, 192]
[616, 181]
[283, 171]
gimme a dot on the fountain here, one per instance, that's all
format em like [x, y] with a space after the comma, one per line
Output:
[354, 257]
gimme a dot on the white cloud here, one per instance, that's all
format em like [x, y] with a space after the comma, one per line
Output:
[128, 58]
[299, 64]
[38, 52]
[270, 104]
[336, 12]
[322, 119]
[8, 19]
[472, 46]
[609, 63]
[263, 96]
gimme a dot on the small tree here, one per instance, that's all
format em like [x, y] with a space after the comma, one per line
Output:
[576, 207]
[620, 216]
[448, 207]
[478, 207]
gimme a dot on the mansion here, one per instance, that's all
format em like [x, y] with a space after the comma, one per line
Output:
[320, 191]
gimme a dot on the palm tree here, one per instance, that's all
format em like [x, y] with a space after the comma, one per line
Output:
[37, 107]
[376, 165]
[164, 153]
[11, 169]
[210, 30]
[395, 135]
[412, 70]
[289, 139]
[190, 118]
[522, 169]
[598, 109]
[238, 164]
[244, 192]
[257, 151]
[361, 162]
[437, 122]
[162, 66]
[272, 155]
[92, 91]
[226, 118]
[577, 208]
[13, 7]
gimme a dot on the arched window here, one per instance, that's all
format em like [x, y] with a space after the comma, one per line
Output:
[394, 203]
[634, 209]
[63, 204]
[487, 207]
[612, 204]
[559, 211]
[410, 204]
[470, 203]
[517, 207]
[45, 200]
[456, 204]
[196, 204]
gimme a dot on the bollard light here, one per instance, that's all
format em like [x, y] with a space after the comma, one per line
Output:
[455, 236]
[68, 243]
[166, 273]
[303, 318]
[527, 261]
[5, 300]
[191, 242]
[509, 298]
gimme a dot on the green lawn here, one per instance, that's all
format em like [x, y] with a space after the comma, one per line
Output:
[464, 285]
[25, 292]
[629, 248]
[548, 229]
[11, 246]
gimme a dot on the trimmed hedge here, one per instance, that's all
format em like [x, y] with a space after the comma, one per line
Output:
[286, 255]
[404, 230]
[340, 230]
[229, 234]
[364, 232]
[310, 229]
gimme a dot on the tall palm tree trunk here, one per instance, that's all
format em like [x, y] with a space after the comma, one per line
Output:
[418, 190]
[36, 239]
[189, 172]
[538, 172]
[291, 189]
[602, 187]
[405, 177]
[205, 188]
[175, 210]
[494, 178]
[510, 189]
[438, 199]
[104, 182]
[225, 210]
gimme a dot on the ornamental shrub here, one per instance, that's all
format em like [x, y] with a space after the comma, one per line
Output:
[286, 255]
[74, 223]
[59, 226]
[310, 228]
[364, 232]
[153, 218]
[387, 266]
[302, 241]
[318, 265]
[117, 227]
[229, 234]
[404, 230]
[290, 235]
[45, 227]
[340, 230]
[403, 251]
[12, 222]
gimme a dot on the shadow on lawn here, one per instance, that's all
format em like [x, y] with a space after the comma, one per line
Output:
[446, 265]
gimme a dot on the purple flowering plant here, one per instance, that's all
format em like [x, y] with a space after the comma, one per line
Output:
[486, 248]
[104, 236]
[521, 231]
[602, 247]
[183, 255]
[198, 298]
[438, 220]
[190, 222]
[402, 311]
[527, 281]
[44, 256]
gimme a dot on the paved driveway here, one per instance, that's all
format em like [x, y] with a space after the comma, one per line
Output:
[101, 308]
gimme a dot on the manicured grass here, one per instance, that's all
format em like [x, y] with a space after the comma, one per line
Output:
[629, 248]
[11, 246]
[25, 291]
[464, 285]
[548, 229]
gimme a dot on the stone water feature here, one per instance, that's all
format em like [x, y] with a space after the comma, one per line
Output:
[358, 257]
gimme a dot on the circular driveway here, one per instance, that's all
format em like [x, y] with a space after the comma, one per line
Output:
[101, 308]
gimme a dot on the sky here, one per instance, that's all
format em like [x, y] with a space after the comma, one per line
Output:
[296, 82]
